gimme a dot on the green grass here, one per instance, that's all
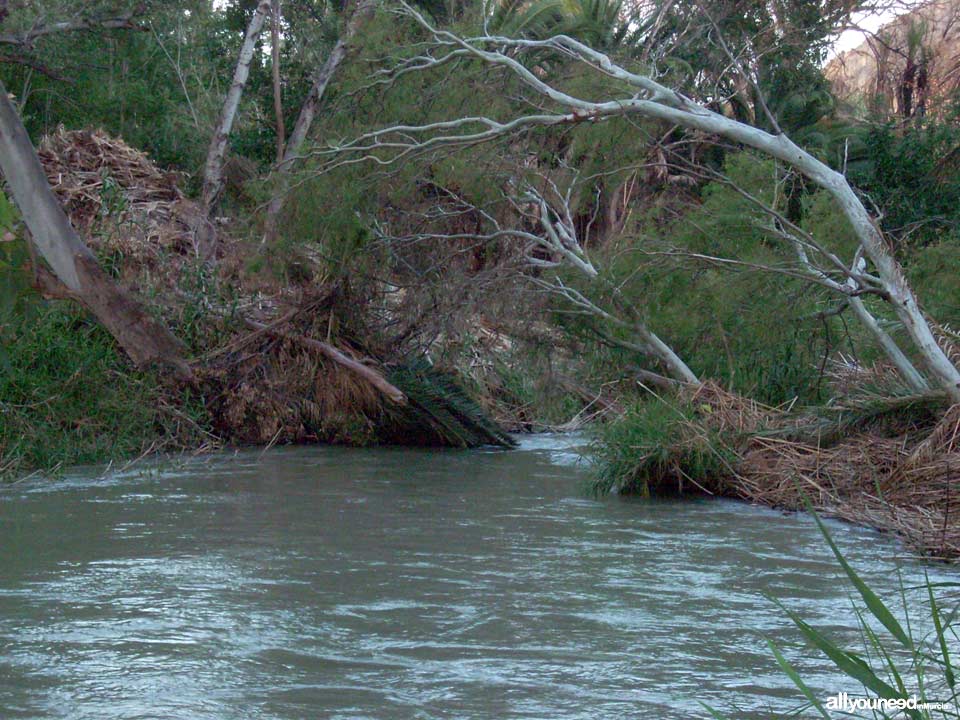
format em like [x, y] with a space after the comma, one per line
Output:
[895, 661]
[655, 446]
[68, 396]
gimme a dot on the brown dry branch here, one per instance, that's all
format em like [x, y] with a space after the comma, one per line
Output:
[268, 386]
[330, 352]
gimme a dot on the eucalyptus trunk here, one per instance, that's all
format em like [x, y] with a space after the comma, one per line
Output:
[362, 12]
[145, 340]
[217, 152]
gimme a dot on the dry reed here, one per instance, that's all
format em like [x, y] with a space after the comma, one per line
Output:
[897, 471]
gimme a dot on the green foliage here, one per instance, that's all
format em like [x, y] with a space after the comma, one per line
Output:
[325, 217]
[749, 329]
[131, 91]
[892, 656]
[67, 396]
[162, 88]
[787, 43]
[439, 411]
[933, 273]
[911, 175]
[598, 23]
[17, 301]
[651, 450]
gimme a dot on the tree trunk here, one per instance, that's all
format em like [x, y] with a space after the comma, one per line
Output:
[213, 169]
[145, 340]
[361, 13]
[914, 379]
[277, 89]
[660, 102]
[898, 291]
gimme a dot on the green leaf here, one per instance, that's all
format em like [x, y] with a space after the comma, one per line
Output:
[874, 604]
[941, 638]
[797, 680]
[7, 213]
[878, 645]
[849, 663]
[713, 713]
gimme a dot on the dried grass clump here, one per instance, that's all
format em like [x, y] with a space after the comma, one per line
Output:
[892, 465]
[888, 462]
[725, 412]
[279, 392]
[117, 198]
[266, 388]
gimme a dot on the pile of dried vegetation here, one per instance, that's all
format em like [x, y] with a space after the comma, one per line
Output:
[276, 362]
[117, 198]
[316, 374]
[890, 461]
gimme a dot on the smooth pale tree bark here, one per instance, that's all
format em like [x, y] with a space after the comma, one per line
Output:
[277, 87]
[802, 240]
[653, 100]
[914, 379]
[216, 154]
[560, 237]
[362, 11]
[145, 340]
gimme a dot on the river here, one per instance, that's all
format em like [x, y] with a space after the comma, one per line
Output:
[399, 583]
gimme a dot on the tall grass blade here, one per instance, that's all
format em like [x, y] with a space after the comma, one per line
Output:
[713, 713]
[874, 640]
[941, 638]
[874, 604]
[797, 680]
[850, 664]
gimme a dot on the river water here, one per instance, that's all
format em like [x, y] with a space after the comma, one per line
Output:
[396, 583]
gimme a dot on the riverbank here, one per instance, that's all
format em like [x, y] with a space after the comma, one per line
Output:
[284, 355]
[280, 354]
[889, 463]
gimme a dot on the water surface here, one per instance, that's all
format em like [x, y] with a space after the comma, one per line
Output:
[394, 584]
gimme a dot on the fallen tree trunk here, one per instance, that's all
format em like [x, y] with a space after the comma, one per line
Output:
[330, 352]
[145, 340]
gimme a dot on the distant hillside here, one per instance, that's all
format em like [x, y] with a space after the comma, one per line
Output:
[908, 68]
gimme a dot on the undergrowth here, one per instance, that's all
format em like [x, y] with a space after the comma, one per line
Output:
[67, 396]
[658, 445]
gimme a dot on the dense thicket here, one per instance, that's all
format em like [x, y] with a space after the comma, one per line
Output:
[434, 258]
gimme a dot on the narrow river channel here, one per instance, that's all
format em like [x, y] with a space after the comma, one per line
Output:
[397, 583]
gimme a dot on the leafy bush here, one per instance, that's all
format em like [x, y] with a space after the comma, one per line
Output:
[911, 176]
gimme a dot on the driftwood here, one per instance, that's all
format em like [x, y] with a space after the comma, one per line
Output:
[329, 351]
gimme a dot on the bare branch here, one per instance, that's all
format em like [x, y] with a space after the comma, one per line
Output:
[650, 99]
[28, 37]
